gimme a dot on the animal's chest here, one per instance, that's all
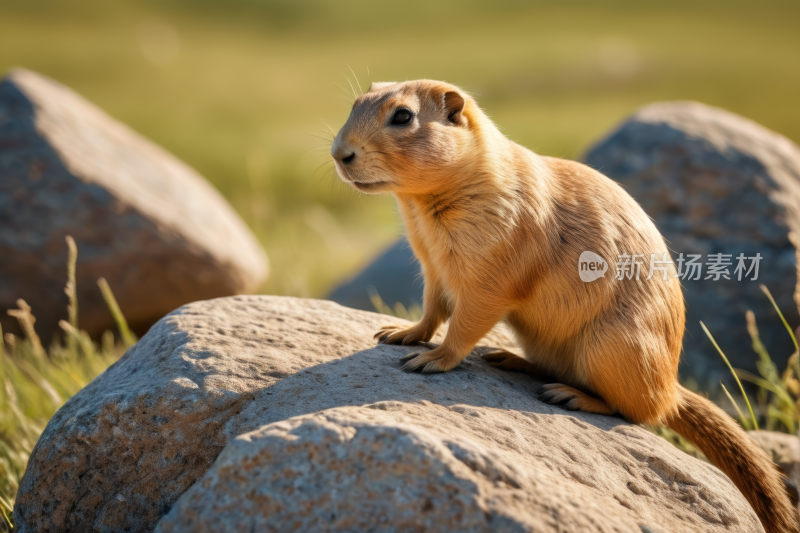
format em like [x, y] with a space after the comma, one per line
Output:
[443, 257]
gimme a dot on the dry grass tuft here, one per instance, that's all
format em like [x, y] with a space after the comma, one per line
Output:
[36, 382]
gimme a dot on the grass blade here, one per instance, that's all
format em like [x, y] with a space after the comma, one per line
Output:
[766, 367]
[742, 419]
[785, 418]
[780, 392]
[26, 321]
[377, 302]
[786, 324]
[741, 388]
[71, 289]
[128, 338]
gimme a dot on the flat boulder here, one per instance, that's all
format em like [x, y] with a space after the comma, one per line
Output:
[253, 413]
[153, 227]
[715, 183]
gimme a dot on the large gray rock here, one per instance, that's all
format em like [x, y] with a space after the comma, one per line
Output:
[155, 229]
[715, 182]
[394, 275]
[319, 429]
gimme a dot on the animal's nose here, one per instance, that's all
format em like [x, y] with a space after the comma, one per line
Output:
[345, 156]
[343, 151]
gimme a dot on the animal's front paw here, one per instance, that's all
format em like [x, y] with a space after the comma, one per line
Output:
[398, 334]
[436, 360]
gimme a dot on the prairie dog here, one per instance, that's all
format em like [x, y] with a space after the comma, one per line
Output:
[498, 231]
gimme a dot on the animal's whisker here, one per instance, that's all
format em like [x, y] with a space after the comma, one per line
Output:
[324, 174]
[326, 124]
[321, 165]
[351, 87]
[318, 147]
[360, 90]
[318, 137]
[345, 90]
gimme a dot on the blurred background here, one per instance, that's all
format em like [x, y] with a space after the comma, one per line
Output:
[244, 90]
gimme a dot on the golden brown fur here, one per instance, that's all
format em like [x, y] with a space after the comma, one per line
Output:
[498, 231]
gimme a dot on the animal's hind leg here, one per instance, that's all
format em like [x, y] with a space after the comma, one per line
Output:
[556, 393]
[646, 391]
[510, 361]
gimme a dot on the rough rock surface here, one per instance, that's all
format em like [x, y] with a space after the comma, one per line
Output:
[462, 467]
[395, 275]
[319, 429]
[155, 229]
[715, 182]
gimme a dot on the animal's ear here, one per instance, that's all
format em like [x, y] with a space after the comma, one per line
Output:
[378, 85]
[454, 106]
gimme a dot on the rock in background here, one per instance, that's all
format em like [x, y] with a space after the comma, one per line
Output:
[784, 449]
[715, 182]
[395, 275]
[154, 228]
[256, 413]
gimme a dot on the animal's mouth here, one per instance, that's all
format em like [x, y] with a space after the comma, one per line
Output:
[368, 186]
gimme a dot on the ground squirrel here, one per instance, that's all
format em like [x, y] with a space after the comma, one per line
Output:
[498, 231]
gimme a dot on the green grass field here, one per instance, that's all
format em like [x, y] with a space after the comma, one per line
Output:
[241, 89]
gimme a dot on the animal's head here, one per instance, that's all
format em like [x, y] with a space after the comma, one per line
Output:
[408, 137]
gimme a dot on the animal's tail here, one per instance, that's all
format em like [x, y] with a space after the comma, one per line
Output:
[727, 446]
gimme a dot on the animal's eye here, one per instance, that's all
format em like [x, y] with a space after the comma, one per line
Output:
[402, 117]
